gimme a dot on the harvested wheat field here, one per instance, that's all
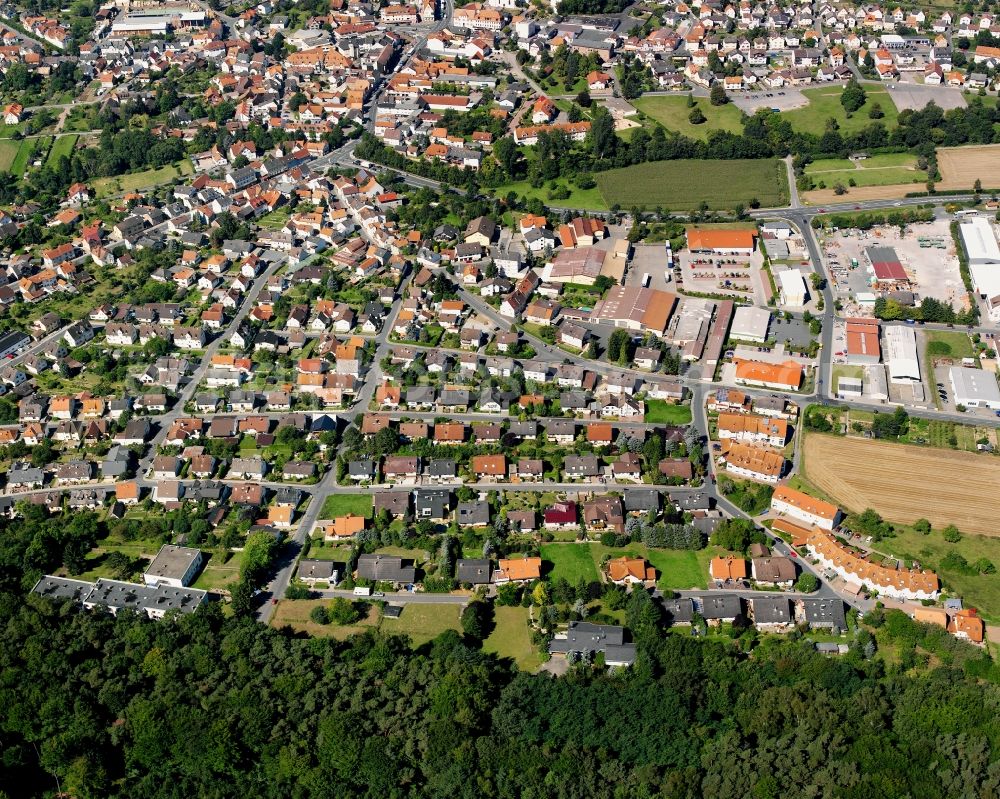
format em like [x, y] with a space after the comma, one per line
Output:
[960, 167]
[859, 194]
[905, 483]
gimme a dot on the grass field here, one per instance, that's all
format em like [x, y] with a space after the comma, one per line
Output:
[62, 146]
[843, 370]
[961, 167]
[511, 638]
[673, 113]
[294, 613]
[685, 184]
[905, 483]
[959, 344]
[24, 153]
[677, 568]
[571, 562]
[424, 622]
[662, 412]
[218, 573]
[8, 152]
[582, 199]
[879, 170]
[139, 181]
[824, 104]
[346, 504]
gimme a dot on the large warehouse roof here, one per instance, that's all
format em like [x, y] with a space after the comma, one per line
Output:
[901, 353]
[980, 241]
[974, 386]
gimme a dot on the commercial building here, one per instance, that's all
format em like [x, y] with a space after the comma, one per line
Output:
[983, 253]
[876, 385]
[974, 388]
[721, 242]
[635, 308]
[786, 375]
[901, 354]
[804, 508]
[862, 342]
[750, 323]
[792, 288]
[173, 565]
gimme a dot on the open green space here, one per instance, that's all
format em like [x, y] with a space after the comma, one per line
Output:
[424, 622]
[8, 152]
[949, 344]
[318, 550]
[276, 219]
[676, 568]
[673, 113]
[570, 562]
[824, 104]
[294, 613]
[686, 184]
[663, 412]
[879, 170]
[218, 572]
[511, 638]
[62, 146]
[581, 199]
[346, 505]
[844, 370]
[139, 181]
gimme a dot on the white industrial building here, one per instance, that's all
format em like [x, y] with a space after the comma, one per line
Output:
[900, 354]
[974, 388]
[174, 566]
[983, 253]
[750, 323]
[876, 386]
[792, 287]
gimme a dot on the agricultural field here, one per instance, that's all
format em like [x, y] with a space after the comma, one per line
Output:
[511, 638]
[62, 146]
[879, 170]
[824, 104]
[673, 112]
[961, 167]
[663, 412]
[686, 184]
[904, 482]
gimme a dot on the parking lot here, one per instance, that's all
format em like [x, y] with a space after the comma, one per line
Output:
[650, 259]
[782, 99]
[915, 95]
[735, 276]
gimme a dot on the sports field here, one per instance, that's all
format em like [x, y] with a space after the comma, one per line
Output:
[673, 113]
[685, 184]
[905, 483]
[824, 104]
[961, 167]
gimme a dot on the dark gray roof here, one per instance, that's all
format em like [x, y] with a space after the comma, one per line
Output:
[310, 568]
[721, 606]
[473, 570]
[825, 613]
[586, 638]
[772, 610]
[681, 610]
[475, 513]
[385, 567]
[642, 499]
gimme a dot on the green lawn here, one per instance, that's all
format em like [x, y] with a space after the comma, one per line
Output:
[582, 199]
[276, 219]
[218, 573]
[346, 504]
[843, 370]
[663, 412]
[8, 152]
[959, 344]
[424, 622]
[685, 184]
[677, 568]
[139, 181]
[879, 170]
[673, 113]
[63, 146]
[824, 104]
[511, 638]
[572, 562]
[320, 551]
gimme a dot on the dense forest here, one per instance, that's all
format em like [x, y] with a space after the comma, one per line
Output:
[95, 706]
